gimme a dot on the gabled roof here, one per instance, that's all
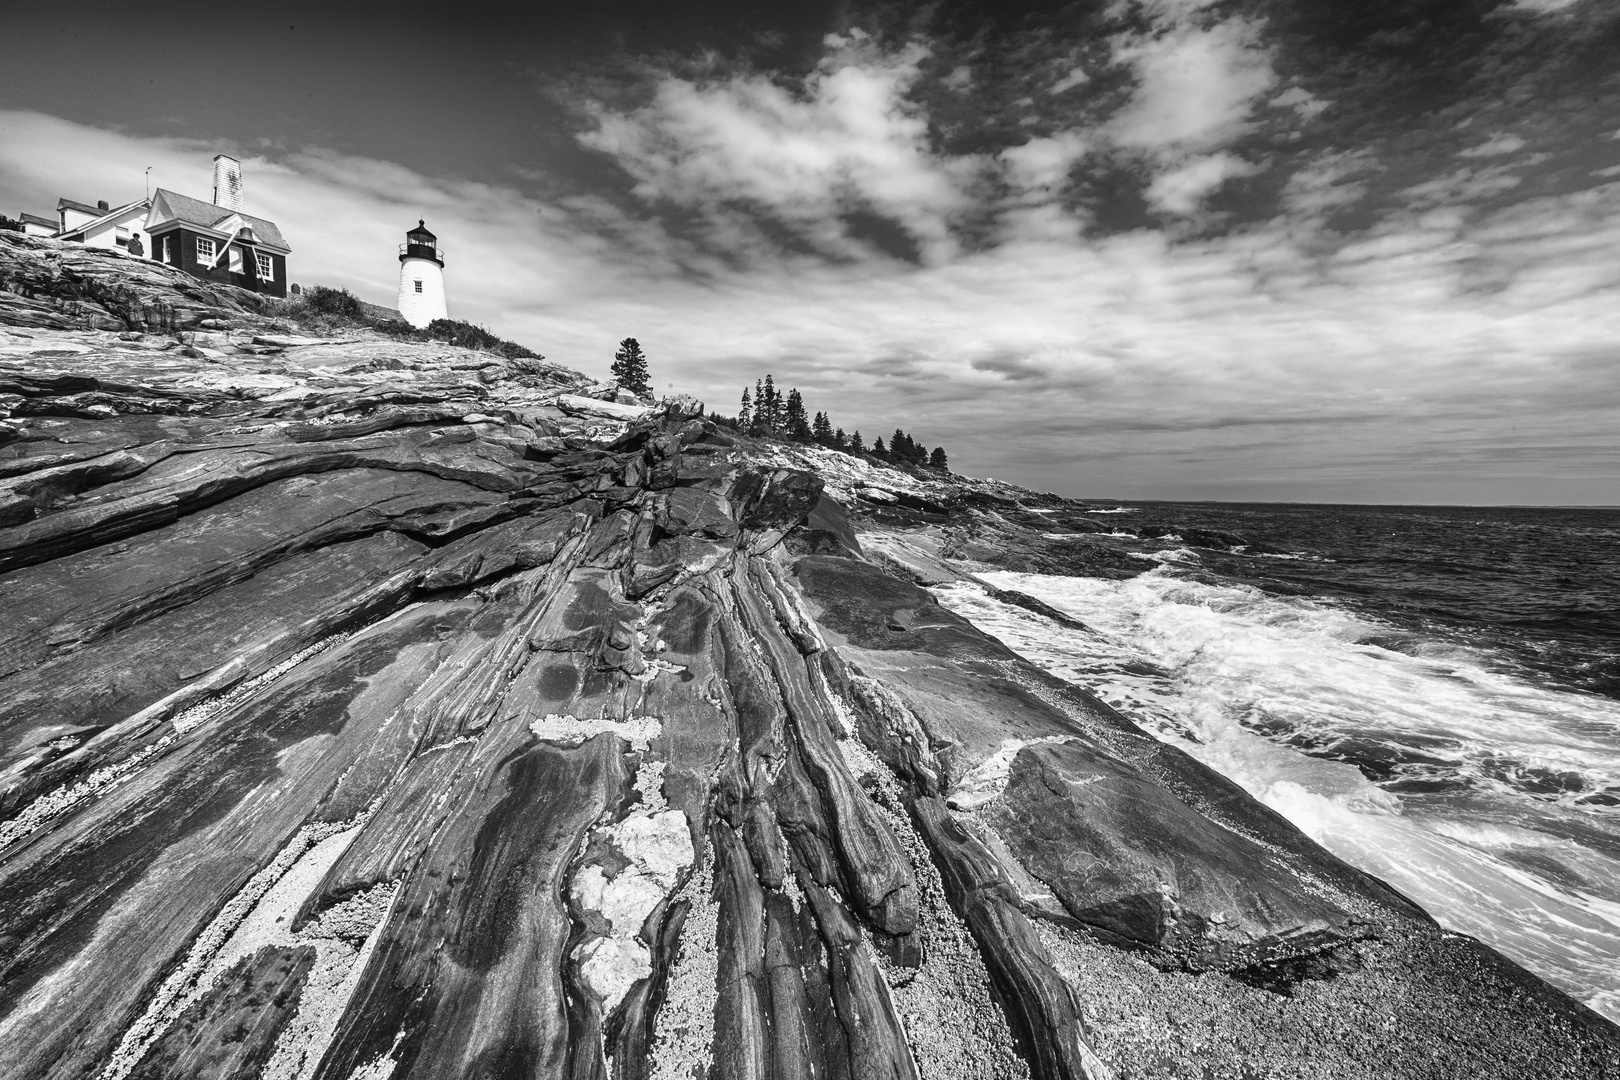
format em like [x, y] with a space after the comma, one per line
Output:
[103, 216]
[170, 206]
[35, 219]
[83, 208]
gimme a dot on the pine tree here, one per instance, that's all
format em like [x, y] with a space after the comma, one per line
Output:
[937, 459]
[900, 445]
[840, 441]
[745, 416]
[630, 368]
[877, 446]
[822, 430]
[855, 446]
[769, 407]
[794, 418]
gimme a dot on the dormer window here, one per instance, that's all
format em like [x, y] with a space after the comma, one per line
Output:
[205, 249]
[267, 266]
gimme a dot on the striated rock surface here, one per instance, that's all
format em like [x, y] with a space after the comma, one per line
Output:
[390, 710]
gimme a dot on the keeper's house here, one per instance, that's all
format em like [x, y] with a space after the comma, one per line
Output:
[217, 243]
[216, 240]
[213, 240]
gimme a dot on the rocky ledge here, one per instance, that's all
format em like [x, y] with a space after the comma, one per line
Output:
[376, 709]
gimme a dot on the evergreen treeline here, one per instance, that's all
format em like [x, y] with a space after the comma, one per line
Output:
[767, 411]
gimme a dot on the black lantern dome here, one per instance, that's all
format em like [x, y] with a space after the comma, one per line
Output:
[421, 244]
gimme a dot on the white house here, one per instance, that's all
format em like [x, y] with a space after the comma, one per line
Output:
[101, 226]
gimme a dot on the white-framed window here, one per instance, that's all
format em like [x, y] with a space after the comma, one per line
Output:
[235, 255]
[121, 236]
[418, 284]
[205, 249]
[267, 266]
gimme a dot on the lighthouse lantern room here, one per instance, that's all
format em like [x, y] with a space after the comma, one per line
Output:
[421, 277]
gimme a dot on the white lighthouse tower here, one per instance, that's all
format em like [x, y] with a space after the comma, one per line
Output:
[421, 277]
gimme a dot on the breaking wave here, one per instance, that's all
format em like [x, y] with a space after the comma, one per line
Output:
[1490, 799]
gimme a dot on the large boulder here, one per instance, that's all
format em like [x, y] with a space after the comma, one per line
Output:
[575, 405]
[1129, 859]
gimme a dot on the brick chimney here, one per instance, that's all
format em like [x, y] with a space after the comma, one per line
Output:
[227, 182]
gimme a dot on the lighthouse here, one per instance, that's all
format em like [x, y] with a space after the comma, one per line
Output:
[421, 277]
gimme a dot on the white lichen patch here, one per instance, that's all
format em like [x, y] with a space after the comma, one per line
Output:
[258, 915]
[624, 901]
[988, 779]
[954, 1028]
[380, 1067]
[344, 938]
[53, 804]
[659, 847]
[656, 667]
[650, 785]
[566, 730]
[843, 714]
[657, 843]
[202, 712]
[868, 768]
[660, 844]
[609, 967]
[791, 890]
[683, 1033]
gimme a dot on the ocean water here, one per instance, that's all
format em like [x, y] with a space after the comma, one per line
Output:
[1431, 693]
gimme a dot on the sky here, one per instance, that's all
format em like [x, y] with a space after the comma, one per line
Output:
[1325, 251]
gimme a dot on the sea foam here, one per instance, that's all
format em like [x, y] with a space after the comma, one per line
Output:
[1475, 813]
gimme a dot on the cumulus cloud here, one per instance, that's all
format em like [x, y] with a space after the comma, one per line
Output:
[1183, 188]
[1196, 85]
[1042, 164]
[1198, 81]
[1301, 100]
[845, 140]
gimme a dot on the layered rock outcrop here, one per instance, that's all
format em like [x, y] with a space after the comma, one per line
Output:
[378, 709]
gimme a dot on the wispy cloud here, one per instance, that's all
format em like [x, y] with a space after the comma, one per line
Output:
[1497, 145]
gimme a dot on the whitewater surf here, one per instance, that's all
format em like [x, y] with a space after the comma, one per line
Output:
[1452, 770]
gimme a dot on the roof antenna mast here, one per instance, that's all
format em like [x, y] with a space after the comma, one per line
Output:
[149, 181]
